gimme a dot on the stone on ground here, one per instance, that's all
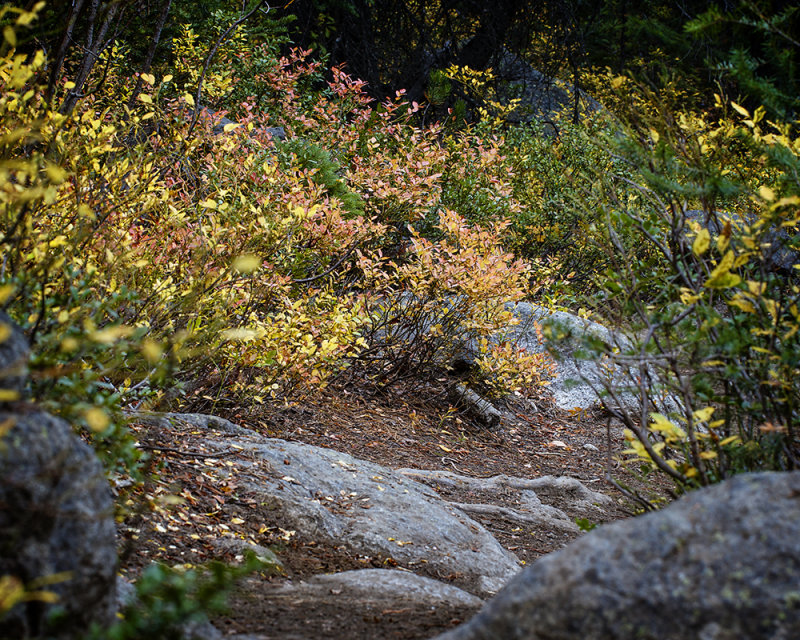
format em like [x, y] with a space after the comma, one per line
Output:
[719, 564]
[56, 521]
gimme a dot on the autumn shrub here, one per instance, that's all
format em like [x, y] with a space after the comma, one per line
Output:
[552, 223]
[137, 255]
[445, 298]
[154, 262]
[479, 177]
[531, 174]
[702, 245]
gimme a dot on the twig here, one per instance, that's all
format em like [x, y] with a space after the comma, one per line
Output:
[330, 269]
[210, 56]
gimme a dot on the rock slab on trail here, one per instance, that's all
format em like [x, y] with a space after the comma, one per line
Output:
[372, 510]
[719, 564]
[389, 587]
[363, 604]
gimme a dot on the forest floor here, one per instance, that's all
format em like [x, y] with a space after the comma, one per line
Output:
[177, 517]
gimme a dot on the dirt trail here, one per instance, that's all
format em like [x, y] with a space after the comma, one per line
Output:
[397, 430]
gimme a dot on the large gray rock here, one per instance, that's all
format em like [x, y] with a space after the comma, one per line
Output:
[578, 382]
[56, 517]
[541, 97]
[372, 510]
[720, 564]
[14, 355]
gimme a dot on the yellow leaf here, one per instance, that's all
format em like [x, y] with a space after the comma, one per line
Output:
[111, 334]
[721, 277]
[741, 110]
[151, 350]
[701, 242]
[237, 521]
[240, 334]
[766, 193]
[189, 99]
[208, 204]
[27, 17]
[785, 202]
[8, 395]
[702, 415]
[663, 424]
[69, 344]
[443, 448]
[86, 212]
[247, 263]
[708, 455]
[97, 419]
[729, 440]
[55, 174]
[10, 36]
[12, 591]
[231, 126]
[743, 304]
[143, 97]
[148, 78]
[167, 78]
[5, 292]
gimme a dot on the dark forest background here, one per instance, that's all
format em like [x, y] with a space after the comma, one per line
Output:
[742, 49]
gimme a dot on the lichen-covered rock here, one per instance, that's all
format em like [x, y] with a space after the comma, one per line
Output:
[722, 563]
[576, 381]
[56, 521]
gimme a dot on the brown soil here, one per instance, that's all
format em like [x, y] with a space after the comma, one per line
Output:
[194, 501]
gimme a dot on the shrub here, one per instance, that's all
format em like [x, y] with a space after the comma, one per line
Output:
[151, 261]
[695, 217]
[446, 297]
[167, 599]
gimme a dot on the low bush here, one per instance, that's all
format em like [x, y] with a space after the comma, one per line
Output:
[701, 231]
[447, 297]
[153, 262]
